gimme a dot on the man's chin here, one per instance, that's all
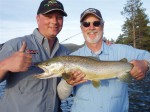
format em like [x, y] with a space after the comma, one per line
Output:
[93, 40]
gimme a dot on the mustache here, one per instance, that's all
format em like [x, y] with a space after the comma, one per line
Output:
[92, 31]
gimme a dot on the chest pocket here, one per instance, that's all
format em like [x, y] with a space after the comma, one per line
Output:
[29, 84]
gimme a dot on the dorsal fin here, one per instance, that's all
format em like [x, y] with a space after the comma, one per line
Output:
[94, 58]
[124, 60]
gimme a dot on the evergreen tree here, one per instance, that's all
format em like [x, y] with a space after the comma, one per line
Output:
[135, 29]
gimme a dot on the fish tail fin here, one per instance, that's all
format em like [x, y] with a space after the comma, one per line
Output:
[126, 78]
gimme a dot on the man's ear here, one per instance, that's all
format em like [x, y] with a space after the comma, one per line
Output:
[81, 27]
[37, 19]
[103, 27]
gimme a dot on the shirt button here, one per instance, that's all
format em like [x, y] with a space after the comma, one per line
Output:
[100, 108]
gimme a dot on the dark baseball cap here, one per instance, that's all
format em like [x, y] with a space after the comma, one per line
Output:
[93, 11]
[47, 6]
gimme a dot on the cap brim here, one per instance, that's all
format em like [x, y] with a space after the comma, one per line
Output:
[64, 13]
[81, 19]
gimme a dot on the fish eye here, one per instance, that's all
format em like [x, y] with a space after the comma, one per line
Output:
[53, 66]
[46, 64]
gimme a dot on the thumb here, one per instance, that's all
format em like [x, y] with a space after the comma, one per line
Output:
[23, 47]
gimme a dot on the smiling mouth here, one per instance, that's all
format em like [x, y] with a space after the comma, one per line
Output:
[92, 32]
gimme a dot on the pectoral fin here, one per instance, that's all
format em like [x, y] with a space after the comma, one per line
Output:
[124, 60]
[96, 83]
[66, 76]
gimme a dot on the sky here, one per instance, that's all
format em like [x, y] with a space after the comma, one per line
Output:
[18, 18]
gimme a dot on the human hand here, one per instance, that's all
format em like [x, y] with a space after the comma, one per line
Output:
[139, 69]
[77, 78]
[19, 61]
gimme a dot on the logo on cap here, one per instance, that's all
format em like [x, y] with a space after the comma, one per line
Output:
[52, 3]
[90, 11]
[47, 6]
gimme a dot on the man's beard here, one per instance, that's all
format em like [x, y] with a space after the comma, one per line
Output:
[96, 39]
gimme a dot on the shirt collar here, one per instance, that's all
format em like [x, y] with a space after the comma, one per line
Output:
[40, 38]
[104, 49]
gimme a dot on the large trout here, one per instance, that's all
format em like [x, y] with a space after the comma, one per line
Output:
[95, 70]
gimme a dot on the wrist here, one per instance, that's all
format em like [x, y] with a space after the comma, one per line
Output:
[148, 65]
[148, 68]
[3, 66]
[3, 70]
[66, 84]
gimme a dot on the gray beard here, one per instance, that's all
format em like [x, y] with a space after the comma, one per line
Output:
[95, 40]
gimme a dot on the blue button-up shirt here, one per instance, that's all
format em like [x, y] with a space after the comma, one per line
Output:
[112, 95]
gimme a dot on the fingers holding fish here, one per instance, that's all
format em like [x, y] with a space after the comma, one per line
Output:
[138, 71]
[76, 78]
[139, 77]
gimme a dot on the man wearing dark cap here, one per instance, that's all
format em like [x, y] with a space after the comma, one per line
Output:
[112, 95]
[24, 93]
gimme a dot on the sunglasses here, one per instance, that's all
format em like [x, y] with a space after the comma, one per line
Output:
[95, 23]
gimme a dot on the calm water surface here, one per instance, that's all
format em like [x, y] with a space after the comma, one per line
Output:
[139, 95]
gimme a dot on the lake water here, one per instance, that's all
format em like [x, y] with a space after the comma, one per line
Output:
[139, 95]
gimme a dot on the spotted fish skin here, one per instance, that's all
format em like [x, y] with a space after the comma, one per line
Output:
[94, 69]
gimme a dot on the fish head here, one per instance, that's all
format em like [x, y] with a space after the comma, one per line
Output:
[51, 69]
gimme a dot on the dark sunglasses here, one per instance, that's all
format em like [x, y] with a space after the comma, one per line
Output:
[95, 23]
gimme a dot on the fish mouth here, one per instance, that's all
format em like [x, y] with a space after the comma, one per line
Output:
[42, 75]
[43, 68]
[51, 75]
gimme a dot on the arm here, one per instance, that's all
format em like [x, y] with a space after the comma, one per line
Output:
[65, 88]
[17, 62]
